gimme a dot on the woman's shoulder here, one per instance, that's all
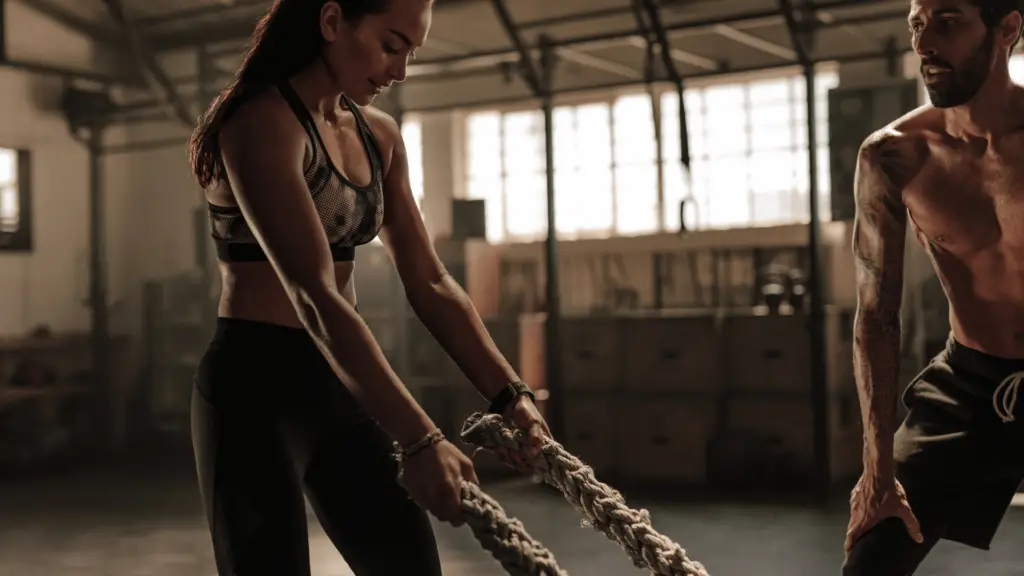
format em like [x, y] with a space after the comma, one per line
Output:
[385, 130]
[264, 114]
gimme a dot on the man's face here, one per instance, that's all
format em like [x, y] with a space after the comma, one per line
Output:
[955, 47]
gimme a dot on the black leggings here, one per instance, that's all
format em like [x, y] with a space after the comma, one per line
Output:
[270, 421]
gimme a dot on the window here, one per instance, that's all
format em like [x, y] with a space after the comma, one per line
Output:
[606, 177]
[10, 212]
[1017, 67]
[748, 152]
[486, 171]
[14, 222]
[412, 135]
[749, 162]
[636, 165]
[583, 171]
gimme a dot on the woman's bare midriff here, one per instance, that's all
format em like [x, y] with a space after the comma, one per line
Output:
[253, 291]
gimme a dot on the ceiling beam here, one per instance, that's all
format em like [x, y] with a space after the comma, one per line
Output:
[527, 66]
[747, 39]
[67, 18]
[160, 84]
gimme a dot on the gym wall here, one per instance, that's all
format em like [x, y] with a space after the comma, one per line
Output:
[149, 194]
[49, 283]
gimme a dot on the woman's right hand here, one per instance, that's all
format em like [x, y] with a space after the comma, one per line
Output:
[433, 477]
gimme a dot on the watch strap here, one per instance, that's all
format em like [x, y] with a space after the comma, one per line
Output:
[508, 394]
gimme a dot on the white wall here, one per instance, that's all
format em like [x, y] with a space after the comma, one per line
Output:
[49, 285]
[149, 194]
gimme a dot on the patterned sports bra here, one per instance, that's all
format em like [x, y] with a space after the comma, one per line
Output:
[350, 214]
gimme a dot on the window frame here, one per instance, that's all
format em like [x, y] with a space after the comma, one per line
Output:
[659, 91]
[21, 239]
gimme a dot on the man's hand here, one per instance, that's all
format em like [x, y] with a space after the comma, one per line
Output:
[874, 499]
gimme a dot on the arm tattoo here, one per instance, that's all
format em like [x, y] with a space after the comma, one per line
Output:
[878, 242]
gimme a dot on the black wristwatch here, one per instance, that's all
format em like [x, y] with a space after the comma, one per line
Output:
[507, 395]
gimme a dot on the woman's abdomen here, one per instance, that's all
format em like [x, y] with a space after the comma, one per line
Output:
[253, 291]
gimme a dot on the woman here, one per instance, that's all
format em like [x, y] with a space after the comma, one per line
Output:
[293, 395]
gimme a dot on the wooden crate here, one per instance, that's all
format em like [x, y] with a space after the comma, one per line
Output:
[425, 358]
[593, 430]
[505, 333]
[671, 353]
[388, 331]
[767, 440]
[591, 350]
[772, 353]
[664, 439]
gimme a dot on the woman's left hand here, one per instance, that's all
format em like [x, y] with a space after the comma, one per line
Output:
[524, 415]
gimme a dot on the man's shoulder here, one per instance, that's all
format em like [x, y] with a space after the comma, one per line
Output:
[913, 128]
[897, 152]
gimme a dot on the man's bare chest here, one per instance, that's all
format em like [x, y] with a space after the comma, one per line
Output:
[968, 204]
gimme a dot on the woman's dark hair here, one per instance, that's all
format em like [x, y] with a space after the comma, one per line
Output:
[285, 41]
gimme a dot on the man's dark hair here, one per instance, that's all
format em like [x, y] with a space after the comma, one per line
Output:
[993, 12]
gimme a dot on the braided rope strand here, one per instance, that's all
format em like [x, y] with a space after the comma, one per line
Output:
[506, 538]
[602, 507]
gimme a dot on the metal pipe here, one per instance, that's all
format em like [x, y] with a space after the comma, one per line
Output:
[516, 100]
[3, 30]
[99, 315]
[224, 32]
[649, 76]
[670, 67]
[529, 72]
[61, 72]
[574, 18]
[160, 84]
[800, 33]
[143, 146]
[218, 9]
[486, 62]
[553, 347]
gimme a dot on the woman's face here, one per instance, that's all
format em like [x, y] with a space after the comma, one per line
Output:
[366, 56]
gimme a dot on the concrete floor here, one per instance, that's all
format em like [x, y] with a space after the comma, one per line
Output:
[110, 524]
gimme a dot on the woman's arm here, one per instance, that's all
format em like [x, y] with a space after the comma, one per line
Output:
[434, 295]
[263, 148]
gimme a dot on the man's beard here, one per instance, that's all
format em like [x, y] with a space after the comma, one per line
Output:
[964, 81]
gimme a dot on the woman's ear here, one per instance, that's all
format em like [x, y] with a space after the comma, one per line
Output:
[331, 20]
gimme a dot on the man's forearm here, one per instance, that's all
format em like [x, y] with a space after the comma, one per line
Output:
[451, 318]
[876, 354]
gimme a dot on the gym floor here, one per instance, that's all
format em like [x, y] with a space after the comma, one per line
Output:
[116, 524]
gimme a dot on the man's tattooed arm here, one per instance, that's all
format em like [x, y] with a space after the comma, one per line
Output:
[879, 234]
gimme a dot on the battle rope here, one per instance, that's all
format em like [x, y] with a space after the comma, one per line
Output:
[602, 507]
[505, 538]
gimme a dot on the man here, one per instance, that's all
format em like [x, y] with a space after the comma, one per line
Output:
[954, 172]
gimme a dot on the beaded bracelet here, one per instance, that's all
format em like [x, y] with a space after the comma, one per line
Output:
[434, 437]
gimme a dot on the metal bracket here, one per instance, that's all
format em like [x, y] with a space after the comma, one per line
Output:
[548, 60]
[802, 26]
[648, 19]
[655, 33]
[527, 68]
[3, 30]
[160, 83]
